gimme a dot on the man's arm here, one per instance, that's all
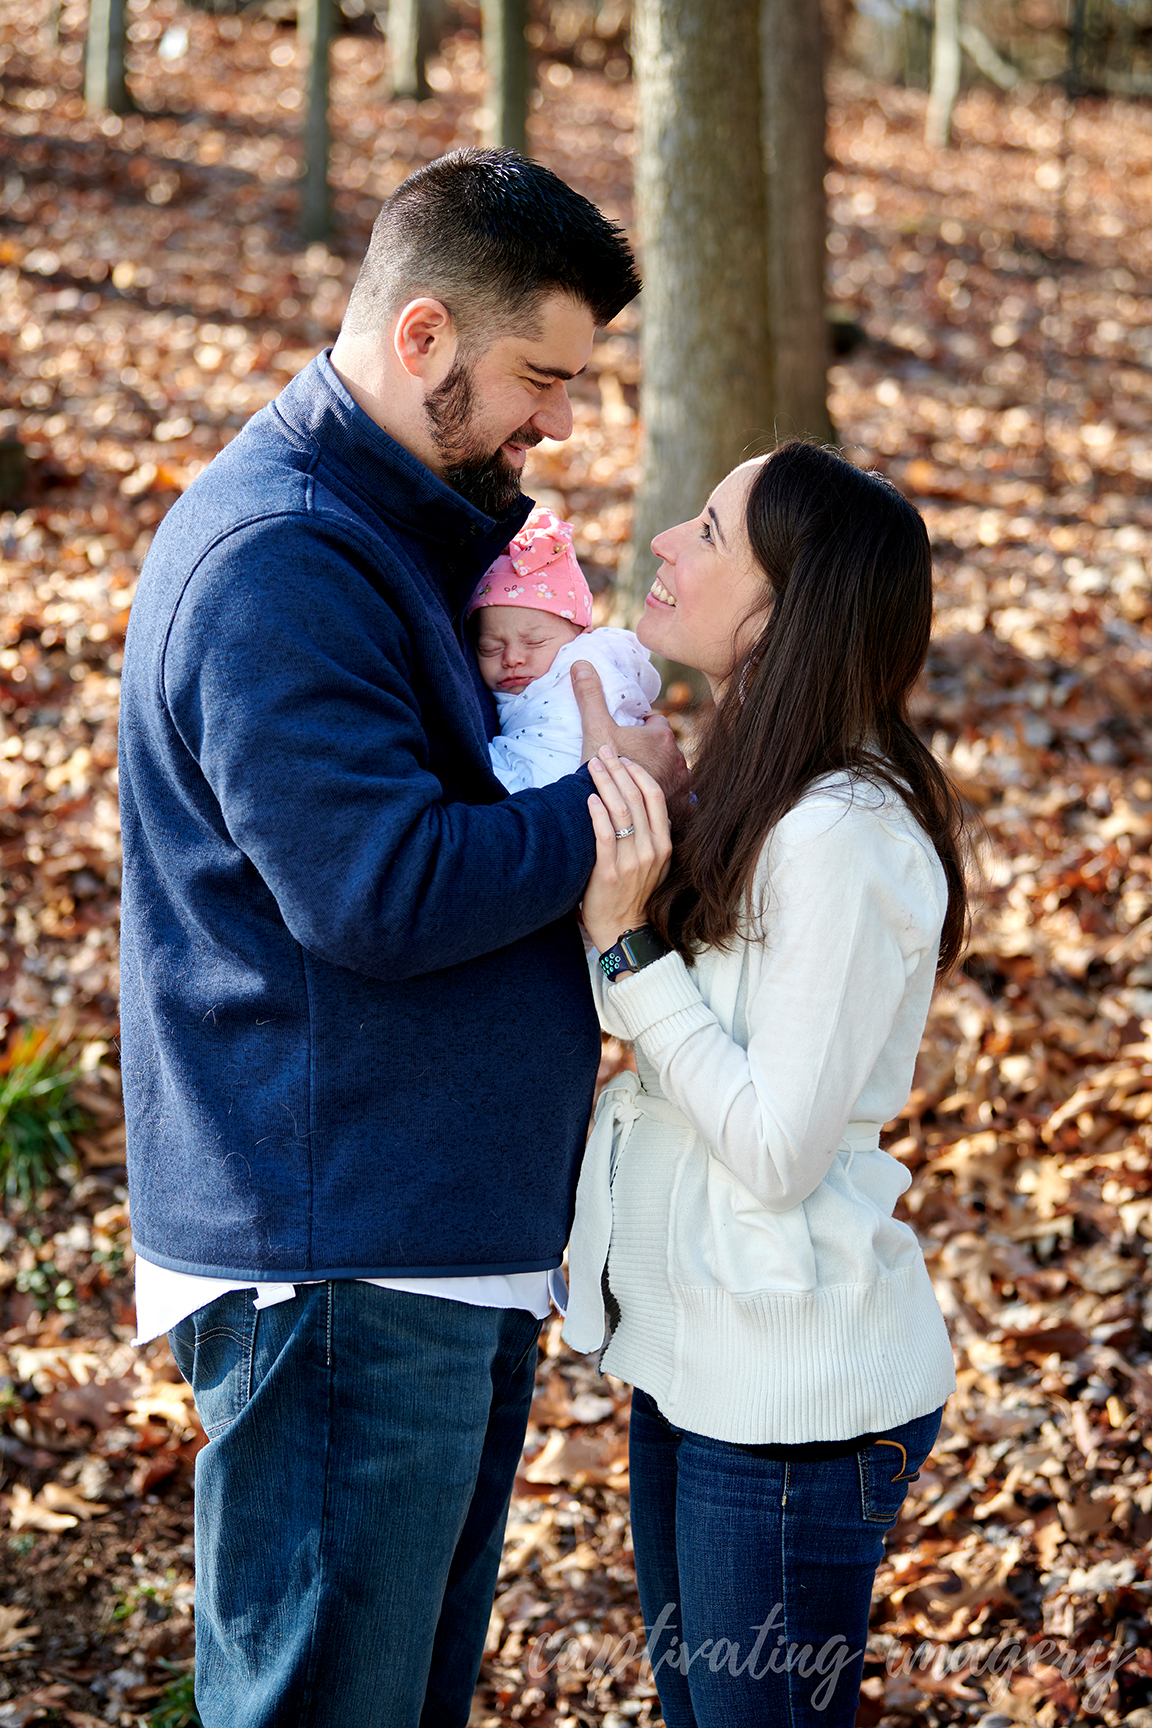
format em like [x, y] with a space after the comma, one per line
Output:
[652, 745]
[295, 699]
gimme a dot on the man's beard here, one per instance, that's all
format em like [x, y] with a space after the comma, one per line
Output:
[486, 479]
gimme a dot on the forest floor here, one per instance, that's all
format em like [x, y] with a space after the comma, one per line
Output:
[152, 297]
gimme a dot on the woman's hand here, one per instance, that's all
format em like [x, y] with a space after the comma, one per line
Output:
[653, 744]
[633, 846]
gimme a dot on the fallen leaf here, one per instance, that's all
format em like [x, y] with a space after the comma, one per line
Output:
[1041, 1341]
[59, 1498]
[14, 1635]
[1086, 1517]
[25, 1513]
[32, 1706]
[174, 1403]
[580, 1459]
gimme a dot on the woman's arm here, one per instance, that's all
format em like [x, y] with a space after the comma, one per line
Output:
[853, 908]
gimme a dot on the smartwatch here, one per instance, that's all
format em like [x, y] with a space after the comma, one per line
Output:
[634, 949]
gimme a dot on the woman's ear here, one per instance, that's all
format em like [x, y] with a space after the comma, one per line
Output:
[424, 338]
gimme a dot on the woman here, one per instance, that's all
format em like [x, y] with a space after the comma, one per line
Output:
[734, 1237]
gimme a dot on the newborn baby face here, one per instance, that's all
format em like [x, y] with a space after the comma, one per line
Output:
[515, 644]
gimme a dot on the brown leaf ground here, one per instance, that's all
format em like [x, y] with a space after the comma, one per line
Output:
[151, 297]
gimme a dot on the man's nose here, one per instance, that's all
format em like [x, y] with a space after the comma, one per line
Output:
[554, 416]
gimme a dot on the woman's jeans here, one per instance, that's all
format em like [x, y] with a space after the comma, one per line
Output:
[350, 1506]
[756, 1576]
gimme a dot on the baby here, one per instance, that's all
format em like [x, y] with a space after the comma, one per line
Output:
[533, 619]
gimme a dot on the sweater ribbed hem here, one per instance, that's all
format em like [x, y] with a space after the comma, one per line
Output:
[824, 1365]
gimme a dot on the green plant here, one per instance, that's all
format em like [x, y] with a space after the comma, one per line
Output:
[110, 1259]
[38, 1115]
[177, 1708]
[48, 1288]
[133, 1598]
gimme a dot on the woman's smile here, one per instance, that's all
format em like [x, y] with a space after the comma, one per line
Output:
[721, 594]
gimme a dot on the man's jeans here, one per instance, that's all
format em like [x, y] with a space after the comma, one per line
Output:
[350, 1506]
[755, 1575]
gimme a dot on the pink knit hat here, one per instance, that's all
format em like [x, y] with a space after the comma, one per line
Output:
[539, 570]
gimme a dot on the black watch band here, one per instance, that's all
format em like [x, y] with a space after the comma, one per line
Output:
[634, 949]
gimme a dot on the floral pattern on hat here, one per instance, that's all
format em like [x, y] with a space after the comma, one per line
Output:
[544, 544]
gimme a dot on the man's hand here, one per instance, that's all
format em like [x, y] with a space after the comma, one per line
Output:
[652, 745]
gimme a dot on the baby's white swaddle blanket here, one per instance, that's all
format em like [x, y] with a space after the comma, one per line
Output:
[540, 730]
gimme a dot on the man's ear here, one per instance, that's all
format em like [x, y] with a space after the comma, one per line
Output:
[425, 339]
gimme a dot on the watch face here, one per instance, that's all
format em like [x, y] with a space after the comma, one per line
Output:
[642, 947]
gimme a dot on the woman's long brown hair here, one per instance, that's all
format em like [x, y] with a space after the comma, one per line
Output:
[825, 688]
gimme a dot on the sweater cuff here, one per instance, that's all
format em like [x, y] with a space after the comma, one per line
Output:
[662, 994]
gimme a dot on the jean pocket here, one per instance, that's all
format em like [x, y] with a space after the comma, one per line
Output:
[891, 1464]
[214, 1351]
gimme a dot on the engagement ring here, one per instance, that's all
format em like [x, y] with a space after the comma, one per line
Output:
[623, 833]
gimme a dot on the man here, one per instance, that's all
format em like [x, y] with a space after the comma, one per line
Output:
[359, 1045]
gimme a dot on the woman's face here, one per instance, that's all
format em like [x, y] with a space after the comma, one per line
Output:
[709, 599]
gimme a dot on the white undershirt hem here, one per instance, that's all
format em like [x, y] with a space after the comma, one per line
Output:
[164, 1298]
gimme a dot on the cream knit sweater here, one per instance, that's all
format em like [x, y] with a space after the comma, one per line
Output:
[736, 1191]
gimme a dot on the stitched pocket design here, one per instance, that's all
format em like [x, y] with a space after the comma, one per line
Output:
[886, 1470]
[214, 1350]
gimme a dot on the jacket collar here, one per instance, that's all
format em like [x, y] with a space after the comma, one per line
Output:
[397, 484]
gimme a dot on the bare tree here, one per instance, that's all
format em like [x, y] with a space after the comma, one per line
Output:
[995, 68]
[945, 74]
[793, 122]
[314, 21]
[506, 62]
[839, 20]
[409, 34]
[705, 398]
[105, 87]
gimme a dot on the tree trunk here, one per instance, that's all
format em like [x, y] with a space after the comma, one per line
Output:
[995, 68]
[1075, 48]
[794, 118]
[13, 473]
[705, 400]
[839, 21]
[945, 74]
[314, 22]
[916, 31]
[410, 33]
[105, 89]
[506, 63]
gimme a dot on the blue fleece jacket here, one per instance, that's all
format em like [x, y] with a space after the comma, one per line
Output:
[358, 1037]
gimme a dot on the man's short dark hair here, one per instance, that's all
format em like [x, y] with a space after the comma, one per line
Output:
[488, 233]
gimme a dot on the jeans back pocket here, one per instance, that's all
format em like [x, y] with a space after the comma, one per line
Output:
[214, 1350]
[891, 1464]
